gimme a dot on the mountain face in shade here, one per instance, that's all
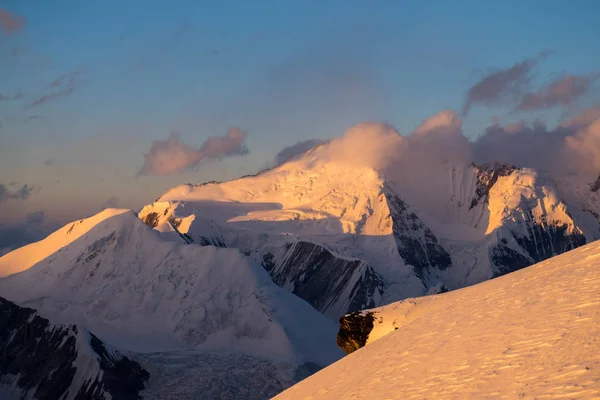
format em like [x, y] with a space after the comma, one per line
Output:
[46, 361]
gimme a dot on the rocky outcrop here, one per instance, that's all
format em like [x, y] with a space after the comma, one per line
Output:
[332, 285]
[595, 186]
[487, 176]
[151, 219]
[207, 240]
[533, 241]
[416, 243]
[46, 361]
[505, 260]
[354, 330]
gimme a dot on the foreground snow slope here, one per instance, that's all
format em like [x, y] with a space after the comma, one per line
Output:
[533, 333]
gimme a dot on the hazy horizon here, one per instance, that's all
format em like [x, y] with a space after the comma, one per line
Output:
[95, 99]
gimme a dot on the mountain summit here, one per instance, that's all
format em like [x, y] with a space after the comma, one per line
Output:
[358, 222]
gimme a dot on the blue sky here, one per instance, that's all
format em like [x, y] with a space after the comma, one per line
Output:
[282, 71]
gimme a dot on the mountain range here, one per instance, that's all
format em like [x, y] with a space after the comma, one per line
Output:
[235, 289]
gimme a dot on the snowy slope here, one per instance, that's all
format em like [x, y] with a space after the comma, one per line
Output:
[529, 334]
[138, 291]
[414, 226]
[27, 256]
[582, 193]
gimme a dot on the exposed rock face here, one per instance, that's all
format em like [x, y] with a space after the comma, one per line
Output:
[505, 260]
[595, 187]
[417, 245]
[47, 361]
[486, 178]
[533, 242]
[208, 241]
[151, 219]
[331, 284]
[354, 331]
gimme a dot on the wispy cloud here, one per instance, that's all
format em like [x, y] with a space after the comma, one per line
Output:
[66, 79]
[571, 147]
[62, 86]
[504, 85]
[10, 23]
[19, 193]
[292, 151]
[171, 156]
[560, 92]
[51, 96]
[13, 97]
[583, 119]
[34, 117]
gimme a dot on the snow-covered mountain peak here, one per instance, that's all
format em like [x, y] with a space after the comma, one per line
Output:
[307, 188]
[424, 225]
[526, 191]
[27, 256]
[133, 288]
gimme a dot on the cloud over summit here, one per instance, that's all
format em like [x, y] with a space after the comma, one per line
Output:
[572, 146]
[296, 149]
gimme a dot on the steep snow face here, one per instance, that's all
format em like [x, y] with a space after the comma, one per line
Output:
[43, 360]
[582, 194]
[135, 289]
[529, 222]
[449, 198]
[531, 334]
[525, 190]
[331, 284]
[416, 243]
